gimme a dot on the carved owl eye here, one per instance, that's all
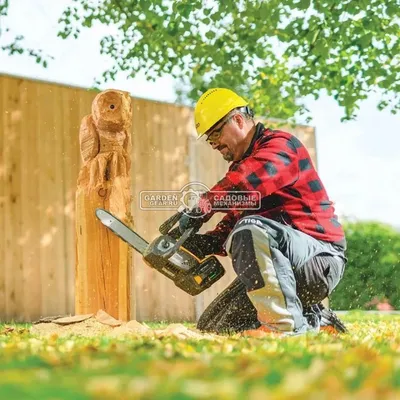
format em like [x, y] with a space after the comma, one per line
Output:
[112, 106]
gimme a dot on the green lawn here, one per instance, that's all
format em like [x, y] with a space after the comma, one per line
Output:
[363, 364]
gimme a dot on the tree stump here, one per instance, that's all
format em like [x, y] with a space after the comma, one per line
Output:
[103, 261]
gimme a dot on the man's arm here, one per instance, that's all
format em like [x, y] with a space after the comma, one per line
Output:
[221, 231]
[272, 167]
[212, 242]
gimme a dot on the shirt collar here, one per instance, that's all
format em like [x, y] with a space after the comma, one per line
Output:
[257, 134]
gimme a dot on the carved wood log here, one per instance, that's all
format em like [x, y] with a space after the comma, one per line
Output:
[103, 261]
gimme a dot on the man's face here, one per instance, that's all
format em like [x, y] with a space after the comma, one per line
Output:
[228, 136]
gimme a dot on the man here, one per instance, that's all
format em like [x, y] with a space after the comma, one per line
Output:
[289, 254]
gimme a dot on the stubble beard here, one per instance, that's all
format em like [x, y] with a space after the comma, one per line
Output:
[228, 157]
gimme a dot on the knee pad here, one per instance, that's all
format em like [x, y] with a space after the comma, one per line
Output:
[244, 260]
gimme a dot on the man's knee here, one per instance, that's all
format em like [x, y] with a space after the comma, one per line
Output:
[244, 260]
[249, 242]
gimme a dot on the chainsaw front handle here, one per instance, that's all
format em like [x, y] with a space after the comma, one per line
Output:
[169, 253]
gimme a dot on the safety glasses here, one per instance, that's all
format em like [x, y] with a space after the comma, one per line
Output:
[216, 133]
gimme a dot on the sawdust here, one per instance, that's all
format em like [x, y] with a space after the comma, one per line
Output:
[92, 327]
[88, 328]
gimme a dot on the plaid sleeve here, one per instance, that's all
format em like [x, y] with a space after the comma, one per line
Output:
[273, 166]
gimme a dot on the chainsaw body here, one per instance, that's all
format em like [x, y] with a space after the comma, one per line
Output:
[167, 254]
[189, 273]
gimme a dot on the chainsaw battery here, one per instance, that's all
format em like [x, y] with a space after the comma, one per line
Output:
[187, 271]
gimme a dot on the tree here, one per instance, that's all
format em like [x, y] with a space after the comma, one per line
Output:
[275, 52]
[14, 44]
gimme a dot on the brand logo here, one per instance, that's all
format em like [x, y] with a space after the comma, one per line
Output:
[252, 221]
[191, 197]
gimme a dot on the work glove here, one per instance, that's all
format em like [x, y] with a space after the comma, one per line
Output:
[191, 219]
[194, 218]
[203, 245]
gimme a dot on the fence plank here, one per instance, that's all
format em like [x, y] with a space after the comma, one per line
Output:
[30, 201]
[70, 165]
[143, 276]
[3, 173]
[52, 203]
[12, 222]
[173, 153]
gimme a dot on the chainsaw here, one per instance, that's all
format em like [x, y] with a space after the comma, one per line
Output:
[167, 254]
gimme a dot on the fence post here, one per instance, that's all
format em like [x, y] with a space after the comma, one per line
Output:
[103, 261]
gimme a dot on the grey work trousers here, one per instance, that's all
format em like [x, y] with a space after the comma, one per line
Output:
[283, 269]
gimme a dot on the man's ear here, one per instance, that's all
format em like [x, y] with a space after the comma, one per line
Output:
[239, 120]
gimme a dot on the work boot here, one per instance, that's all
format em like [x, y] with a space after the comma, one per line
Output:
[261, 332]
[313, 318]
[329, 321]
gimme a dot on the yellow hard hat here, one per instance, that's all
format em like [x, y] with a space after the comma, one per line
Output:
[213, 105]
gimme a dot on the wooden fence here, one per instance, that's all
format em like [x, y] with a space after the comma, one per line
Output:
[39, 164]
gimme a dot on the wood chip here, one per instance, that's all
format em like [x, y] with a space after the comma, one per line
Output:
[7, 330]
[46, 320]
[179, 331]
[73, 319]
[135, 326]
[107, 319]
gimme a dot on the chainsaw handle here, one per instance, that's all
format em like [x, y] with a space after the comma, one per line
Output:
[178, 244]
[175, 233]
[166, 226]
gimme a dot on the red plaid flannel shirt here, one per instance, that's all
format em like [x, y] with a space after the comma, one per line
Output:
[278, 166]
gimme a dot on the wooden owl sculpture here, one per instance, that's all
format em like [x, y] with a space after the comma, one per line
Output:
[103, 261]
[105, 139]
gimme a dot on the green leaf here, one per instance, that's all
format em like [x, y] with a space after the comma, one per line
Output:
[210, 35]
[303, 4]
[365, 41]
[184, 9]
[321, 48]
[392, 10]
[215, 17]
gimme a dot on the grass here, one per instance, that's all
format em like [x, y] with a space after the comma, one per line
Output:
[363, 364]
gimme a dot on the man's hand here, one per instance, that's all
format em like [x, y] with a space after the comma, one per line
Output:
[203, 245]
[194, 218]
[191, 219]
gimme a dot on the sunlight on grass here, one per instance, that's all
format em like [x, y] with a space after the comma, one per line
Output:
[362, 364]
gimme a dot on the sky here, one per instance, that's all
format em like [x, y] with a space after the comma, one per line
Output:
[358, 161]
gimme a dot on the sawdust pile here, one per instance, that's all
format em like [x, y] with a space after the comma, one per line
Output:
[103, 324]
